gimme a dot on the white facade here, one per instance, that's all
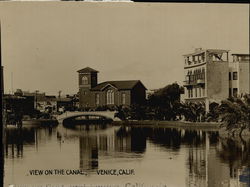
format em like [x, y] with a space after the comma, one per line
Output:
[210, 77]
[206, 76]
[239, 77]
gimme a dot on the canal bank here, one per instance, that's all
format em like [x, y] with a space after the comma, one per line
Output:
[211, 126]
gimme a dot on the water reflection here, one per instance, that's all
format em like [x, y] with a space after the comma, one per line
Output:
[131, 139]
[16, 139]
[209, 159]
[88, 153]
[235, 153]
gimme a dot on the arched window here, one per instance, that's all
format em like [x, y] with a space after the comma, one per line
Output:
[110, 97]
[84, 80]
[97, 99]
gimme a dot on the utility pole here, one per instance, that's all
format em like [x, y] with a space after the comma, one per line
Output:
[59, 93]
[2, 81]
[2, 128]
[36, 98]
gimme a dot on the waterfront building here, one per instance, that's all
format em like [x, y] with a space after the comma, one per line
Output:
[109, 93]
[15, 104]
[239, 77]
[48, 103]
[42, 102]
[210, 77]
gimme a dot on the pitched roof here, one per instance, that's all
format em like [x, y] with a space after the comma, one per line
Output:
[120, 85]
[87, 70]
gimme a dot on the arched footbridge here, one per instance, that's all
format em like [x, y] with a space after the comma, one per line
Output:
[106, 114]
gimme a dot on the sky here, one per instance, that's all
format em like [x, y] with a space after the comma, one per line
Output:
[45, 43]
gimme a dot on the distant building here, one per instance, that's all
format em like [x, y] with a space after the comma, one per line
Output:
[109, 93]
[42, 102]
[65, 104]
[48, 103]
[19, 104]
[209, 77]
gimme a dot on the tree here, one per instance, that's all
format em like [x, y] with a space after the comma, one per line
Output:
[235, 113]
[164, 101]
[213, 114]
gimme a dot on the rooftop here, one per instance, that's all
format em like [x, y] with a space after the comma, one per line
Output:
[199, 51]
[87, 70]
[120, 85]
[240, 54]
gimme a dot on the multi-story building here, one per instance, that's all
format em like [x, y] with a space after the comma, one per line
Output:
[109, 93]
[210, 77]
[239, 75]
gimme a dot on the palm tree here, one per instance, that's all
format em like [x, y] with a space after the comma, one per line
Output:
[192, 111]
[235, 113]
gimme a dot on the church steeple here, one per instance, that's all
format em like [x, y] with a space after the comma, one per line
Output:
[87, 77]
[87, 80]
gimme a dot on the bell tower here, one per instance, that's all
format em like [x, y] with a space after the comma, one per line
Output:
[87, 79]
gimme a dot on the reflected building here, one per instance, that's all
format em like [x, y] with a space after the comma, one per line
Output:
[88, 153]
[17, 139]
[205, 169]
[129, 139]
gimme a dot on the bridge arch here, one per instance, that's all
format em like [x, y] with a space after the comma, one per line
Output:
[72, 115]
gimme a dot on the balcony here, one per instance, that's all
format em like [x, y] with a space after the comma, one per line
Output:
[200, 81]
[188, 83]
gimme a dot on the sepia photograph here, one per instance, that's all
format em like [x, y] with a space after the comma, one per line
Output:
[108, 94]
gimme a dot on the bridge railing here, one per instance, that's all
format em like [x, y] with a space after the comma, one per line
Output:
[108, 114]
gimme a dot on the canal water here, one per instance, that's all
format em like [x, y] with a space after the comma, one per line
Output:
[112, 156]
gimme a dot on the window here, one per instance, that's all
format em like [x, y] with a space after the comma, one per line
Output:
[123, 98]
[190, 93]
[235, 76]
[230, 92]
[230, 76]
[84, 80]
[97, 99]
[191, 78]
[110, 97]
[195, 92]
[203, 91]
[203, 57]
[235, 92]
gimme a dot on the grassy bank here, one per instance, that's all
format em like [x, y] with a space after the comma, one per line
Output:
[171, 124]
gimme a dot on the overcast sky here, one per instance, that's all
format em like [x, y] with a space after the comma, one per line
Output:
[45, 43]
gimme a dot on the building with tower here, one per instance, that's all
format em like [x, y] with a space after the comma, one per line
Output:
[210, 77]
[109, 93]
